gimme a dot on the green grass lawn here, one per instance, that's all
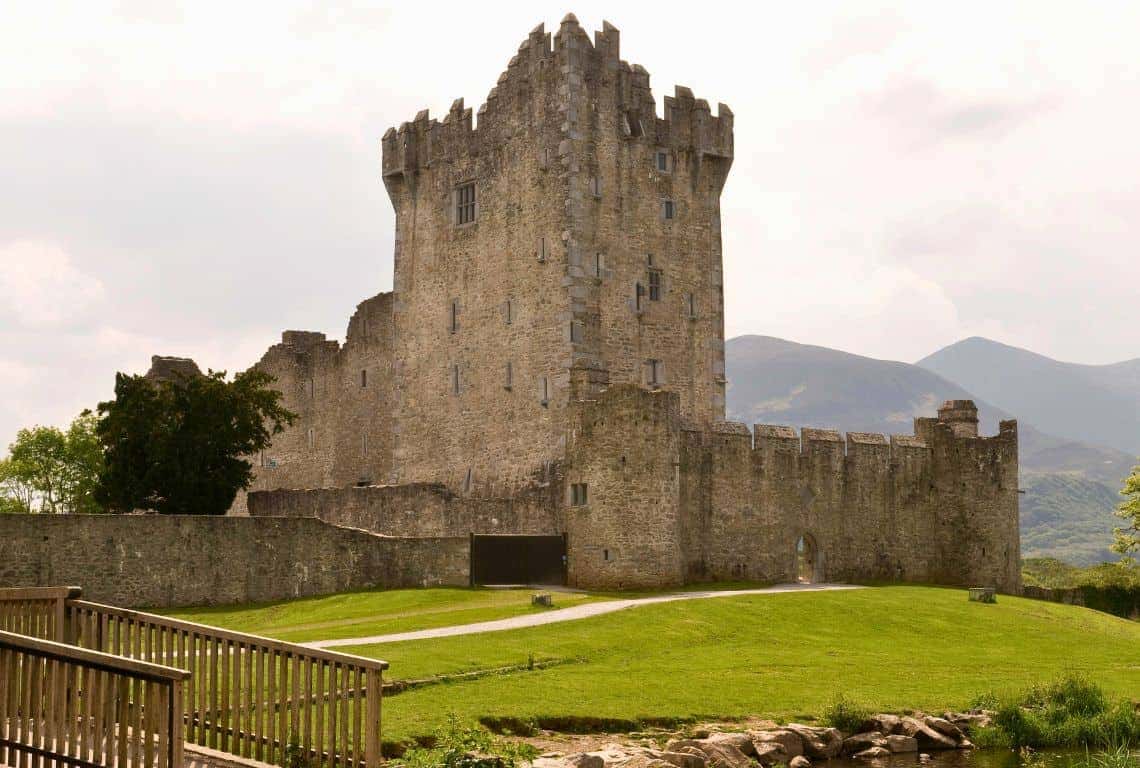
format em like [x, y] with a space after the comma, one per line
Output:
[785, 656]
[374, 612]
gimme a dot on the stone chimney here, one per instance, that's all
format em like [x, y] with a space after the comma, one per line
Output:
[961, 416]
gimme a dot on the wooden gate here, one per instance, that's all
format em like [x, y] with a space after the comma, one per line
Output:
[518, 559]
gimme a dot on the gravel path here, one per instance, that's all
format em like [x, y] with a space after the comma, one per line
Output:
[566, 614]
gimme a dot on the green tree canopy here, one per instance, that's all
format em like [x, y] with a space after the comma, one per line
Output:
[1128, 536]
[178, 446]
[49, 470]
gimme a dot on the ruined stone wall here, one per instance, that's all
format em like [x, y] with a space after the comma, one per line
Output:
[343, 397]
[419, 509]
[163, 561]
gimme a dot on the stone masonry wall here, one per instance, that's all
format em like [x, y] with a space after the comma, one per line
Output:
[159, 561]
[418, 509]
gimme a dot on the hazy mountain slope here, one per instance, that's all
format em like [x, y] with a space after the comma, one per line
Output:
[1092, 403]
[780, 382]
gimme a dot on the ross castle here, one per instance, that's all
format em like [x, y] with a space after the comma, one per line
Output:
[550, 362]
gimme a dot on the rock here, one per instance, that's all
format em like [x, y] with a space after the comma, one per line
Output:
[968, 721]
[725, 755]
[927, 737]
[741, 741]
[586, 760]
[872, 753]
[770, 753]
[896, 742]
[790, 740]
[819, 743]
[862, 742]
[678, 745]
[885, 724]
[692, 759]
[799, 761]
[548, 761]
[945, 727]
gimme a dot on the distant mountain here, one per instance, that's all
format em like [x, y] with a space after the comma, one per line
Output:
[1092, 403]
[1070, 485]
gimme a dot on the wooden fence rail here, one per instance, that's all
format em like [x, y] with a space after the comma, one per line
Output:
[67, 706]
[251, 696]
[36, 611]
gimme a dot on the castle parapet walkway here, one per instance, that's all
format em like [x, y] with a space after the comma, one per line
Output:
[245, 695]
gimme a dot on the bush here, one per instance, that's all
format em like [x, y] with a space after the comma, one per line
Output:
[458, 746]
[1071, 712]
[846, 715]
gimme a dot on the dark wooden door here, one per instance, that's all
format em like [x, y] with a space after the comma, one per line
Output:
[518, 559]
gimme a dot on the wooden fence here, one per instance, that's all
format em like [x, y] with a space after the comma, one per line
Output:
[67, 706]
[36, 611]
[248, 695]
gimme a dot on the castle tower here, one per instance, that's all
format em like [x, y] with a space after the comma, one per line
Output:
[568, 240]
[961, 415]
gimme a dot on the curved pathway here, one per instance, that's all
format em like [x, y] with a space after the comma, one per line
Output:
[567, 614]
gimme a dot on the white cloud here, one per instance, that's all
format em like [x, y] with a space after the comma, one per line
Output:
[41, 286]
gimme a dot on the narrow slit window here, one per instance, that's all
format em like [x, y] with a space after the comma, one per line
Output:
[654, 373]
[639, 297]
[467, 479]
[311, 438]
[509, 312]
[364, 445]
[455, 379]
[598, 264]
[596, 186]
[363, 378]
[544, 391]
[575, 332]
[691, 305]
[453, 316]
[509, 376]
[465, 203]
[541, 249]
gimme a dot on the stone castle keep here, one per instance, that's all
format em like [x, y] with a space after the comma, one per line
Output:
[550, 362]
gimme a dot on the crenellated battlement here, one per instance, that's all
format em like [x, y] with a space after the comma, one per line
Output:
[536, 89]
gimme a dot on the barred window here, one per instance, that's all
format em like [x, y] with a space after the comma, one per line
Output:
[465, 203]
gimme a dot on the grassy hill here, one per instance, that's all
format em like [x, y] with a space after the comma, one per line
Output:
[783, 655]
[1091, 403]
[1070, 485]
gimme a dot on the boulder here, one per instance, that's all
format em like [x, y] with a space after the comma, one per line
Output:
[799, 761]
[861, 742]
[885, 724]
[901, 743]
[548, 761]
[927, 737]
[790, 740]
[724, 755]
[872, 753]
[819, 743]
[586, 760]
[896, 742]
[741, 741]
[770, 753]
[691, 759]
[968, 721]
[679, 745]
[945, 727]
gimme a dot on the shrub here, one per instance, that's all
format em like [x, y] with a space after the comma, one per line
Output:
[1070, 712]
[458, 746]
[846, 715]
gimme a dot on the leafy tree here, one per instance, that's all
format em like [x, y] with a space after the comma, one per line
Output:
[1128, 537]
[52, 471]
[177, 446]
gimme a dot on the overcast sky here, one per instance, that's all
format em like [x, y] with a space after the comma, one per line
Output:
[192, 178]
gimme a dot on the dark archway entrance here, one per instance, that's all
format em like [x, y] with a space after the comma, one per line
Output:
[505, 559]
[807, 560]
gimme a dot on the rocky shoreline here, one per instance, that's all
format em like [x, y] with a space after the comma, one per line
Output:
[794, 745]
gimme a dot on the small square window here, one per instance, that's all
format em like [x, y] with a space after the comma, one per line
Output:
[667, 209]
[465, 203]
